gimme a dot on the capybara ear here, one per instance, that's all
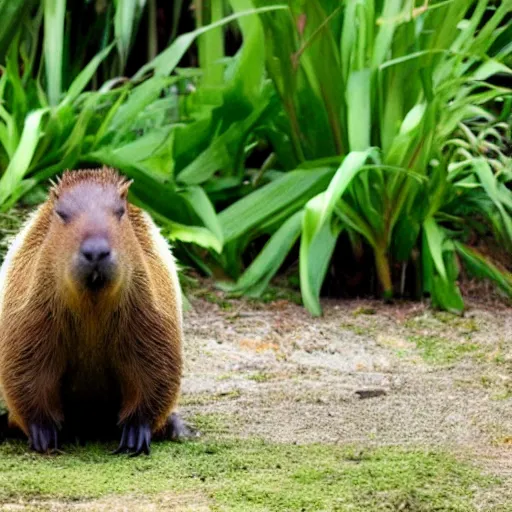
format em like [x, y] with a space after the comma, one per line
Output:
[123, 188]
[55, 188]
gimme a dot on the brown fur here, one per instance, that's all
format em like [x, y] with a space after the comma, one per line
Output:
[65, 353]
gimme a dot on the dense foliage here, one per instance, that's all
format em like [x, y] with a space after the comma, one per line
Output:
[378, 126]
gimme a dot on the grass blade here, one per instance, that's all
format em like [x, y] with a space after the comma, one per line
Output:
[257, 276]
[211, 43]
[358, 99]
[482, 268]
[85, 76]
[54, 13]
[292, 190]
[20, 162]
[435, 238]
[124, 22]
[316, 247]
[166, 61]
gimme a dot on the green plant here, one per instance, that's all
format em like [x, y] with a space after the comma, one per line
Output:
[381, 87]
[376, 121]
[140, 126]
[486, 134]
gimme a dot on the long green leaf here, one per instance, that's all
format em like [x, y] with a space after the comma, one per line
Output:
[54, 13]
[175, 231]
[358, 98]
[481, 267]
[435, 238]
[316, 249]
[164, 63]
[211, 43]
[351, 166]
[85, 76]
[124, 23]
[445, 292]
[446, 295]
[138, 153]
[20, 162]
[204, 209]
[249, 69]
[293, 189]
[220, 154]
[490, 185]
[12, 13]
[257, 276]
[139, 98]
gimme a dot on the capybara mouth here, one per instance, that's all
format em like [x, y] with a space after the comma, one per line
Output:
[96, 281]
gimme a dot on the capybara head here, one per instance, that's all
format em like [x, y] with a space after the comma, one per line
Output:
[90, 230]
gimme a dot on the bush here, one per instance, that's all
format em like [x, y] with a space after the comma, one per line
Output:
[383, 122]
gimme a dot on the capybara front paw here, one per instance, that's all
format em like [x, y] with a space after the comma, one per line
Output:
[135, 439]
[43, 437]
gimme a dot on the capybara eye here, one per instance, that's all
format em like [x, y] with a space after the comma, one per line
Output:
[63, 215]
[120, 212]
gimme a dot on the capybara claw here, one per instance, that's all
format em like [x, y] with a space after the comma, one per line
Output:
[43, 437]
[135, 439]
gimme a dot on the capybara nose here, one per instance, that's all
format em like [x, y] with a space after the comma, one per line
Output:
[95, 249]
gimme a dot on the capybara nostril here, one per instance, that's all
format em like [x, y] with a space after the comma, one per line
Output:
[95, 249]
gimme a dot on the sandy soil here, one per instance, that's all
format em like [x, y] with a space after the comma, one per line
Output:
[364, 373]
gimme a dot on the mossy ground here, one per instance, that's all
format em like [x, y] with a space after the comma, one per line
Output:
[272, 391]
[240, 387]
[439, 350]
[250, 475]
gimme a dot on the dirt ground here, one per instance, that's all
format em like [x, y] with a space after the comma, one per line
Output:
[364, 373]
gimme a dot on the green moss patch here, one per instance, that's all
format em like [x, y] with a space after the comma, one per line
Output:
[250, 475]
[435, 349]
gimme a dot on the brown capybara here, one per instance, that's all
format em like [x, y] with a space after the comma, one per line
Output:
[91, 320]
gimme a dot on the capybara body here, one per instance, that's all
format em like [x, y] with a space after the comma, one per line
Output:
[90, 318]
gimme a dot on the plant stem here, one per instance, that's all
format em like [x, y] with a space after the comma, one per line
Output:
[383, 272]
[152, 30]
[211, 43]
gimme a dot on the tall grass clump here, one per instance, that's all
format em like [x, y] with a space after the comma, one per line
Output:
[317, 128]
[374, 96]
